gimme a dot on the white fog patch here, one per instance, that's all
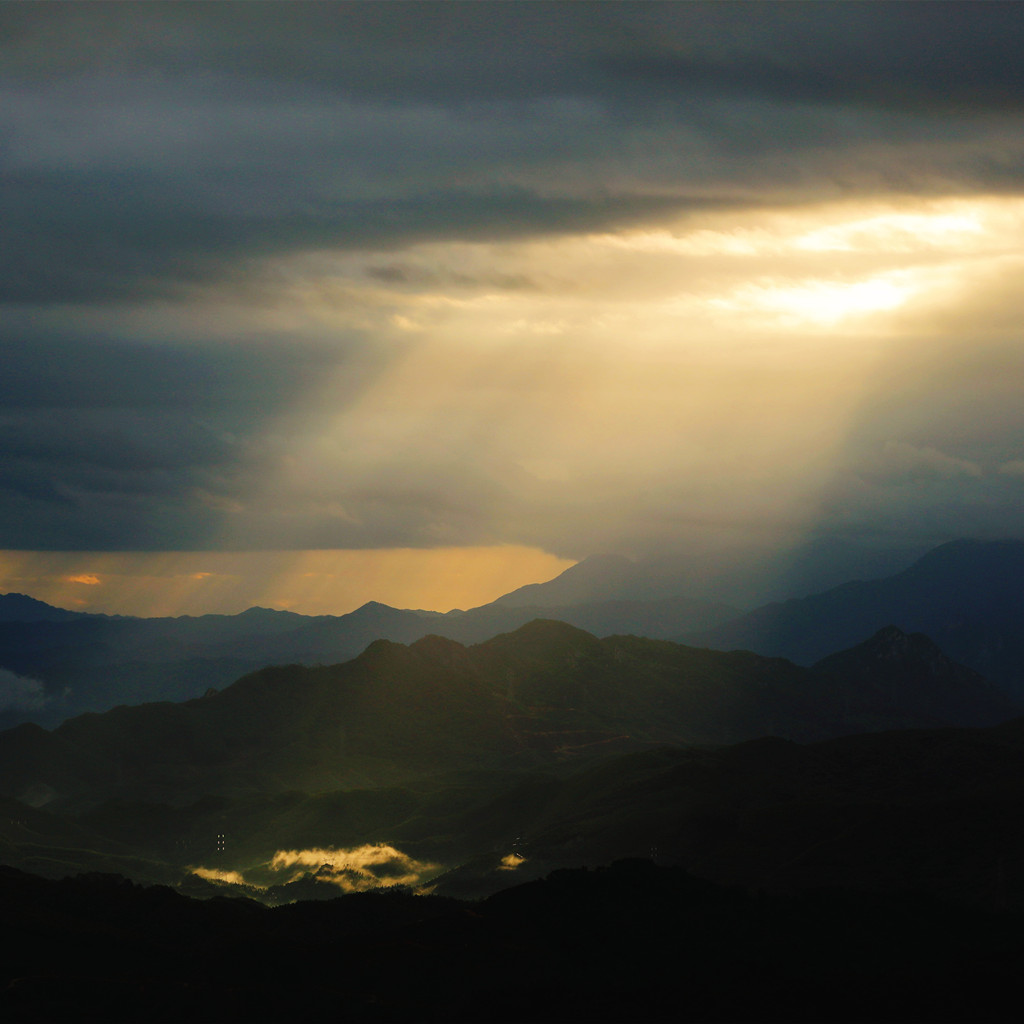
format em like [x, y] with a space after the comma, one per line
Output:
[20, 693]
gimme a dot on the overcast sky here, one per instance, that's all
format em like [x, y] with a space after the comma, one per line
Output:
[656, 279]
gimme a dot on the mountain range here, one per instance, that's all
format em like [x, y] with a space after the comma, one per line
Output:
[548, 692]
[55, 663]
[581, 823]
[441, 752]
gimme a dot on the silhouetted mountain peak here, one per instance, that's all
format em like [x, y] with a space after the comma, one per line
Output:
[441, 649]
[971, 549]
[892, 643]
[994, 564]
[430, 653]
[544, 632]
[892, 650]
[22, 608]
[257, 612]
[910, 669]
[381, 649]
[379, 616]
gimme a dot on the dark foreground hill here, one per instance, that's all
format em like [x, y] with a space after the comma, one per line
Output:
[965, 595]
[629, 942]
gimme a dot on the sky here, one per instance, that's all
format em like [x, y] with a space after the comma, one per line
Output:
[311, 304]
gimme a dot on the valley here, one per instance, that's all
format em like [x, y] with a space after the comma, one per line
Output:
[452, 775]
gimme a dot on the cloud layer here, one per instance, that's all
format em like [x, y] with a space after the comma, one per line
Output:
[575, 276]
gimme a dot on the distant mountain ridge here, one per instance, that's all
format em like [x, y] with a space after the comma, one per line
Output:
[965, 595]
[22, 608]
[93, 662]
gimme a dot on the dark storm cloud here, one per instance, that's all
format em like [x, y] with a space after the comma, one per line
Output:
[946, 58]
[121, 479]
[112, 443]
[944, 54]
[149, 146]
[116, 243]
[83, 370]
[401, 274]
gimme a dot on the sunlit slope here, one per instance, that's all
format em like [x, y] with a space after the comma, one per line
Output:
[965, 595]
[547, 694]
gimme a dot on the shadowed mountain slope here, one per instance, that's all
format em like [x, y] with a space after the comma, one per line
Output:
[938, 811]
[547, 694]
[894, 672]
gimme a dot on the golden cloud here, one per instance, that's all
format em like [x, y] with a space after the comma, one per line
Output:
[355, 869]
[215, 875]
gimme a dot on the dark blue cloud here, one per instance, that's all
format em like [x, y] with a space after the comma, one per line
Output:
[146, 147]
